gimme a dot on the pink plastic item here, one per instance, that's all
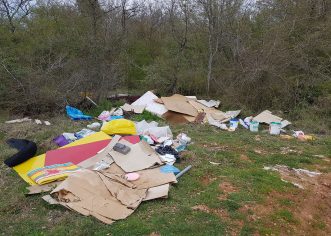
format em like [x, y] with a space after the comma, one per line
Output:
[132, 176]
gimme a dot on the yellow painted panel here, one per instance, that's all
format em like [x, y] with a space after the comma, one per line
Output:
[39, 161]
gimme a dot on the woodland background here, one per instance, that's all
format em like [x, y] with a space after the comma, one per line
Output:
[253, 55]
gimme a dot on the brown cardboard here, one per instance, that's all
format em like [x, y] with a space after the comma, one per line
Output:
[175, 117]
[158, 100]
[213, 112]
[153, 177]
[141, 156]
[138, 109]
[200, 117]
[107, 195]
[157, 192]
[180, 104]
[35, 189]
[128, 196]
[267, 117]
[148, 178]
[91, 193]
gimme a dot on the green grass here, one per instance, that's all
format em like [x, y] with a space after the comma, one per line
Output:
[21, 215]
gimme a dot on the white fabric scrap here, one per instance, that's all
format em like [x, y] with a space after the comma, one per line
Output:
[168, 158]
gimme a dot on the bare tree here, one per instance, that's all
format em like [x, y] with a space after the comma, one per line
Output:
[14, 11]
[212, 10]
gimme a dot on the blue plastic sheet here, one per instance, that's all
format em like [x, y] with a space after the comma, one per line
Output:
[76, 114]
[169, 169]
[114, 118]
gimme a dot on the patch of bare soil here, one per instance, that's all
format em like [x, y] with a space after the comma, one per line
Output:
[260, 151]
[207, 179]
[244, 157]
[221, 213]
[257, 138]
[227, 188]
[235, 225]
[310, 207]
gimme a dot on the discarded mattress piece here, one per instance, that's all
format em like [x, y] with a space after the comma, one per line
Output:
[153, 107]
[27, 149]
[76, 114]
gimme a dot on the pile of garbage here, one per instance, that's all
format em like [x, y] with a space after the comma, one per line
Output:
[179, 109]
[106, 172]
[108, 168]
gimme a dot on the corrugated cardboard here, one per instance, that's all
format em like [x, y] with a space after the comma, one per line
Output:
[140, 157]
[267, 117]
[176, 118]
[180, 104]
[138, 109]
[153, 177]
[157, 192]
[148, 178]
[107, 198]
[107, 195]
[118, 187]
[35, 189]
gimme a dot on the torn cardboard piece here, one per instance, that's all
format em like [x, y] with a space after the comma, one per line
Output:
[107, 195]
[91, 193]
[177, 118]
[138, 109]
[180, 104]
[232, 114]
[141, 156]
[211, 103]
[123, 190]
[148, 178]
[157, 192]
[36, 189]
[267, 117]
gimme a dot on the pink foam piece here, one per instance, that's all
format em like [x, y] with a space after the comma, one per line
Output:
[132, 176]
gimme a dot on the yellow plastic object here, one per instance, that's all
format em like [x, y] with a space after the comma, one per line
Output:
[39, 161]
[119, 126]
